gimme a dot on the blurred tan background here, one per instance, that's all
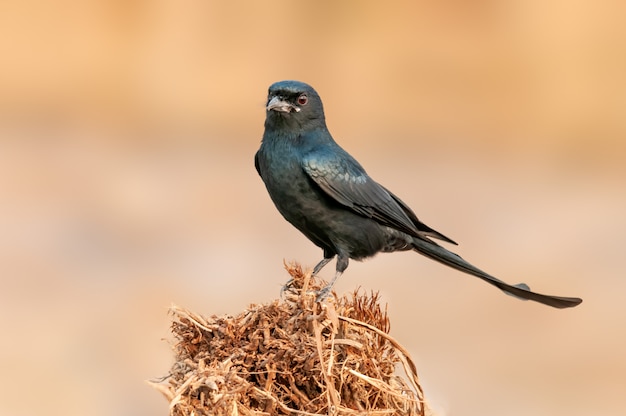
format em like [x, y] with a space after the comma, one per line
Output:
[127, 135]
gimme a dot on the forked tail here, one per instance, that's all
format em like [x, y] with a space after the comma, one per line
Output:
[520, 290]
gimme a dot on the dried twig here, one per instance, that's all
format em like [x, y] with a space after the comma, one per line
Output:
[293, 356]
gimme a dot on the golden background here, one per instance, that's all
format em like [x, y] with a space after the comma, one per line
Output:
[127, 136]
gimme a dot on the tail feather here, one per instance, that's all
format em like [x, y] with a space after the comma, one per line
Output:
[520, 290]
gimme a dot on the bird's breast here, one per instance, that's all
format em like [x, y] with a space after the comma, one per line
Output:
[280, 169]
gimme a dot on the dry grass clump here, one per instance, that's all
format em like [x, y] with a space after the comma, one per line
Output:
[292, 356]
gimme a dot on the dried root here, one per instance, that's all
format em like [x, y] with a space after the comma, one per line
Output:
[292, 357]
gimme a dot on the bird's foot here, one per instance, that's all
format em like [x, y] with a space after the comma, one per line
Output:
[285, 288]
[324, 293]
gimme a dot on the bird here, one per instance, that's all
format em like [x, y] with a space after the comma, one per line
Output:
[328, 196]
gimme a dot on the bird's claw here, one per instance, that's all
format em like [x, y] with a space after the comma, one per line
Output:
[285, 288]
[323, 294]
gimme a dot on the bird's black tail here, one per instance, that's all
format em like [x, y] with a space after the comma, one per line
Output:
[520, 290]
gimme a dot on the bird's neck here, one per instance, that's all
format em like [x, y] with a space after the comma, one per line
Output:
[288, 122]
[302, 141]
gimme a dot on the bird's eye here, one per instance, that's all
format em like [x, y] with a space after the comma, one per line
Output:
[303, 99]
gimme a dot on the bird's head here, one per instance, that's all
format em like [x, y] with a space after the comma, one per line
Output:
[293, 104]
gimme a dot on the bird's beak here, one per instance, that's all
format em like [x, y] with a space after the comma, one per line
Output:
[277, 104]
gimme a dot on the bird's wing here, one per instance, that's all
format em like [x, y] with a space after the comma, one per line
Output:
[423, 228]
[343, 179]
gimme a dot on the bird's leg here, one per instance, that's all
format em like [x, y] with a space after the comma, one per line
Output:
[324, 292]
[327, 258]
[342, 265]
[321, 265]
